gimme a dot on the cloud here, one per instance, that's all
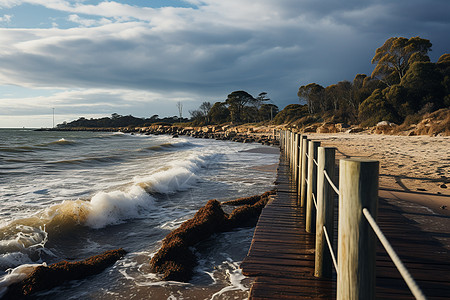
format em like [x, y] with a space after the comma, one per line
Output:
[88, 22]
[204, 52]
[6, 18]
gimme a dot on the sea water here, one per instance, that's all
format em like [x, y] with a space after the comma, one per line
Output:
[71, 195]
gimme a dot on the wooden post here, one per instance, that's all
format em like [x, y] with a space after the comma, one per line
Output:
[304, 172]
[296, 143]
[281, 141]
[312, 187]
[358, 189]
[292, 152]
[325, 212]
[300, 167]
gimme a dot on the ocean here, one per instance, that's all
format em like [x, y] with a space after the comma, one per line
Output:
[72, 195]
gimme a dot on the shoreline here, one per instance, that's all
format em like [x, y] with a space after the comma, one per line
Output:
[414, 174]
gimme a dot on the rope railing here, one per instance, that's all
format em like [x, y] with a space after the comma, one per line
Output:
[330, 248]
[314, 200]
[415, 290]
[314, 167]
[331, 182]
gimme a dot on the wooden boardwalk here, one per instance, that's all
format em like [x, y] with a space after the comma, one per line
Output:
[281, 257]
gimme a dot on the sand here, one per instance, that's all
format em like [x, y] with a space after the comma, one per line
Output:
[414, 173]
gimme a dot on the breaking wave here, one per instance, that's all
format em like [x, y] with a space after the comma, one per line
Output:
[26, 238]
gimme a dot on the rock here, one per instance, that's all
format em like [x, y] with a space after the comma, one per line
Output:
[384, 123]
[327, 128]
[341, 126]
[355, 130]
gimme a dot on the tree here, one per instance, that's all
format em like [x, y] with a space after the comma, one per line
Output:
[197, 116]
[268, 111]
[219, 113]
[205, 107]
[397, 54]
[375, 109]
[443, 65]
[291, 113]
[236, 101]
[260, 100]
[313, 94]
[180, 109]
[115, 116]
[423, 83]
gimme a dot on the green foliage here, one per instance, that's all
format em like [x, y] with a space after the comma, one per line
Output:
[423, 84]
[313, 94]
[236, 102]
[291, 113]
[375, 109]
[443, 66]
[267, 112]
[117, 120]
[404, 82]
[219, 113]
[397, 54]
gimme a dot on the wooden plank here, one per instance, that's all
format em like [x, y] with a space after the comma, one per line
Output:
[281, 256]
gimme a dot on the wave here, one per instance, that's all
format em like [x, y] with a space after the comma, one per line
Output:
[87, 161]
[176, 176]
[171, 146]
[29, 236]
[33, 148]
[18, 149]
[16, 275]
[61, 141]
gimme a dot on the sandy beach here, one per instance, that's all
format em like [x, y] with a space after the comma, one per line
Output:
[416, 168]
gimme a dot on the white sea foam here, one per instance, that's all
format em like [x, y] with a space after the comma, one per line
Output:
[178, 175]
[16, 275]
[107, 208]
[235, 278]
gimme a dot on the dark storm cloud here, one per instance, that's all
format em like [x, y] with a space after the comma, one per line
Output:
[206, 53]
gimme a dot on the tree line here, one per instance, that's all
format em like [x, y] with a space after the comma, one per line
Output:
[239, 107]
[117, 120]
[403, 84]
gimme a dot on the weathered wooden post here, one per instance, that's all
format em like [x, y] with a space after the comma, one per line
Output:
[325, 212]
[312, 187]
[292, 151]
[358, 189]
[281, 141]
[296, 158]
[304, 172]
[300, 167]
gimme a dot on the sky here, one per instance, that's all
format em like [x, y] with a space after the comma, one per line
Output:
[86, 58]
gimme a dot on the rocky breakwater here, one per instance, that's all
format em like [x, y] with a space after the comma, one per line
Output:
[241, 134]
[176, 261]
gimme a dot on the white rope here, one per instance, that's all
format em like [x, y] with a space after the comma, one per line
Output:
[314, 160]
[314, 200]
[415, 290]
[331, 182]
[330, 248]
[307, 155]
